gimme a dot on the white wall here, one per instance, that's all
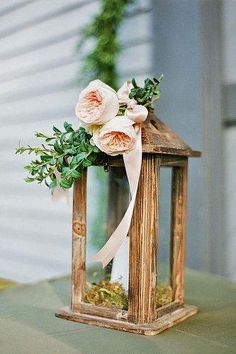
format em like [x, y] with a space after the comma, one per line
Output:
[229, 80]
[38, 68]
[229, 42]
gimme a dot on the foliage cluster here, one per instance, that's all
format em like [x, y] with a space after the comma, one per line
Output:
[63, 155]
[148, 94]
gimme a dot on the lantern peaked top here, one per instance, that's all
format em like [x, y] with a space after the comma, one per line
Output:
[158, 138]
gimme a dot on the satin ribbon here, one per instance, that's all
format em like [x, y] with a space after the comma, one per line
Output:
[60, 193]
[132, 162]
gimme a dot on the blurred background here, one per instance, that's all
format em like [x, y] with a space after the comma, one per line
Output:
[193, 42]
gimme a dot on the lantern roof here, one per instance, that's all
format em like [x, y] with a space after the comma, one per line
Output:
[158, 138]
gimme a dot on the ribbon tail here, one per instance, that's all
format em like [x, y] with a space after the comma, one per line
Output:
[60, 195]
[132, 161]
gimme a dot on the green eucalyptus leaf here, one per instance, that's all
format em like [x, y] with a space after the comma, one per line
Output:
[65, 170]
[78, 158]
[56, 130]
[134, 83]
[96, 149]
[58, 148]
[53, 185]
[75, 174]
[86, 163]
[68, 127]
[70, 151]
[29, 179]
[66, 183]
[46, 158]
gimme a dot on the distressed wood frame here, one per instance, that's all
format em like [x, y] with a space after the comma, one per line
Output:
[142, 316]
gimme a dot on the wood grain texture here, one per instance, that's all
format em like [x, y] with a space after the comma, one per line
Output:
[163, 310]
[171, 160]
[78, 241]
[119, 314]
[102, 311]
[157, 137]
[149, 329]
[178, 230]
[143, 245]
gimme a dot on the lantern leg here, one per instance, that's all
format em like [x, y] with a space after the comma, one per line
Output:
[78, 241]
[143, 245]
[178, 230]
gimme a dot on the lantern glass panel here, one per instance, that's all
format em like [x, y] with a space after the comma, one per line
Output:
[164, 290]
[107, 201]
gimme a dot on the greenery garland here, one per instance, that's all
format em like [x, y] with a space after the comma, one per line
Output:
[100, 63]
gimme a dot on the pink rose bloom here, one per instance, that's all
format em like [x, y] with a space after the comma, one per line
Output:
[116, 137]
[98, 103]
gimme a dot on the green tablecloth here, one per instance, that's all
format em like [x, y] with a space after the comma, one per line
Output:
[28, 325]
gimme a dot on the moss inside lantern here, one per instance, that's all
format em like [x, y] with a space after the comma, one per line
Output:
[164, 295]
[106, 293]
[112, 294]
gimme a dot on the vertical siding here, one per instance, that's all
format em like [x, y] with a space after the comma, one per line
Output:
[38, 67]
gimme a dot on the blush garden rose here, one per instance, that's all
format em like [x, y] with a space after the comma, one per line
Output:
[116, 137]
[98, 103]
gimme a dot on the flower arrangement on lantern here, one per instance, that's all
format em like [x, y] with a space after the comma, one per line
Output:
[108, 124]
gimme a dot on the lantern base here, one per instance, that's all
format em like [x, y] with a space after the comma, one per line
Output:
[161, 324]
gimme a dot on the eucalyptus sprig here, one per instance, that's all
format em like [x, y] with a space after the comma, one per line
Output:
[61, 158]
[148, 94]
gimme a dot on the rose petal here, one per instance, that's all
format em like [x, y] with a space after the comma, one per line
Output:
[117, 123]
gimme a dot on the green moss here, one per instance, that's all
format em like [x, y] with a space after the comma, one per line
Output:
[112, 294]
[106, 293]
[164, 295]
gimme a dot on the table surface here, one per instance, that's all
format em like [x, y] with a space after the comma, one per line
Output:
[28, 325]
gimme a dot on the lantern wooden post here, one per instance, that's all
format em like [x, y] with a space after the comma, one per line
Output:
[78, 241]
[143, 245]
[178, 229]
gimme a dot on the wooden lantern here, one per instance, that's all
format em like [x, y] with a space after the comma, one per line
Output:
[161, 147]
